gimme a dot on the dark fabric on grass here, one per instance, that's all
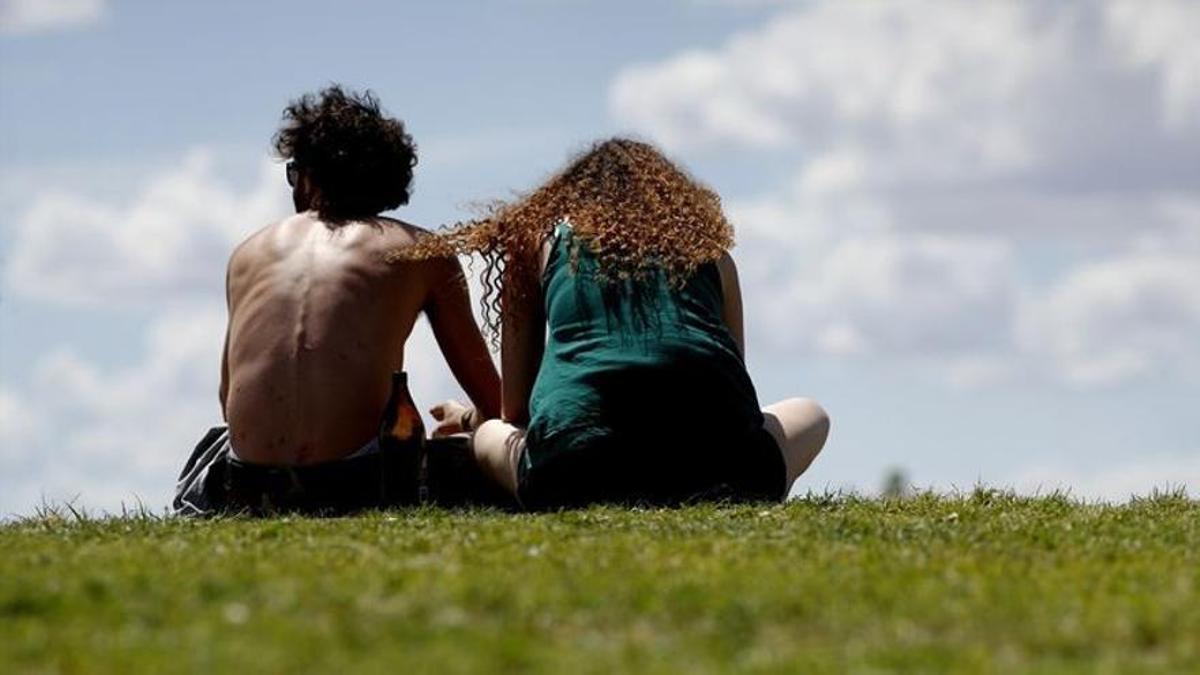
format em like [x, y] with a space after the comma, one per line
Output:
[215, 481]
[627, 471]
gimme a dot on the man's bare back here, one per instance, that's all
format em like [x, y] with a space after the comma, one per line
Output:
[317, 323]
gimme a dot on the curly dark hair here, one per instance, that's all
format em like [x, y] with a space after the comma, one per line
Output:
[360, 161]
[634, 209]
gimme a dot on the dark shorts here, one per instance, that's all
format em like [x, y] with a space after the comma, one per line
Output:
[214, 480]
[662, 472]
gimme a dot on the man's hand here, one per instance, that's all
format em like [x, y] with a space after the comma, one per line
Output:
[452, 418]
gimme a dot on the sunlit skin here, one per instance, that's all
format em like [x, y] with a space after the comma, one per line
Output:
[318, 319]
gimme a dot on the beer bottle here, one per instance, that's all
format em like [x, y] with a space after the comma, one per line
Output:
[401, 441]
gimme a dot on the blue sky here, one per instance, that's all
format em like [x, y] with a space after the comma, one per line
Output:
[972, 231]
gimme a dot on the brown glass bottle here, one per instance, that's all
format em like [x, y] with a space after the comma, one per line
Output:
[401, 445]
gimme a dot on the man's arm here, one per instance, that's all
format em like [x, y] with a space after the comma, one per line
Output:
[223, 390]
[732, 307]
[449, 310]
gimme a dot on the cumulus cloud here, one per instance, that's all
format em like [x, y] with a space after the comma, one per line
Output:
[31, 16]
[889, 295]
[1162, 36]
[971, 182]
[18, 426]
[1119, 319]
[939, 91]
[163, 244]
[107, 436]
[1050, 114]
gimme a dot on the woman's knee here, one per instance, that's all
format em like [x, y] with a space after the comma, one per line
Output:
[819, 416]
[492, 429]
[801, 416]
[497, 447]
[800, 426]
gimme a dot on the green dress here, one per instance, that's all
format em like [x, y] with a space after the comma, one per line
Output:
[642, 392]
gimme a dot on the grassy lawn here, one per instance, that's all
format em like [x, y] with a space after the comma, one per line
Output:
[985, 582]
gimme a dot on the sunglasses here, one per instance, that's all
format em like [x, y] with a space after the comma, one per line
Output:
[293, 173]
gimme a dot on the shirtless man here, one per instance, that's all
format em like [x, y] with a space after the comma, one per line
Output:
[318, 319]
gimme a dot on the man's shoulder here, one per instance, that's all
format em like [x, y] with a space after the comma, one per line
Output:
[401, 229]
[398, 235]
[264, 242]
[247, 245]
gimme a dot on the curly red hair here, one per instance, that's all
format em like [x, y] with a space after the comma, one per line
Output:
[634, 209]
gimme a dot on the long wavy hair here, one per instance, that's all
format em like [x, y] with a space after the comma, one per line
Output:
[637, 213]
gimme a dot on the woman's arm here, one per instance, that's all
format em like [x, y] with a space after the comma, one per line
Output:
[732, 307]
[522, 341]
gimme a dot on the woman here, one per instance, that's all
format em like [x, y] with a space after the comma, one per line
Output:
[620, 323]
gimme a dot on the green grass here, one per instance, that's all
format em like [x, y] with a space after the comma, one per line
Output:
[983, 582]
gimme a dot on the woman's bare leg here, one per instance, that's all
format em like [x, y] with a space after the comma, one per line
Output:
[497, 447]
[800, 427]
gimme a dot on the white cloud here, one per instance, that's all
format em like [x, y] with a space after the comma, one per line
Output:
[19, 426]
[1045, 96]
[1162, 35]
[168, 243]
[107, 436]
[962, 172]
[962, 302]
[30, 16]
[942, 92]
[883, 294]
[1120, 319]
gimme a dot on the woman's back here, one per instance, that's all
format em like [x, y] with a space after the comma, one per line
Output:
[636, 368]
